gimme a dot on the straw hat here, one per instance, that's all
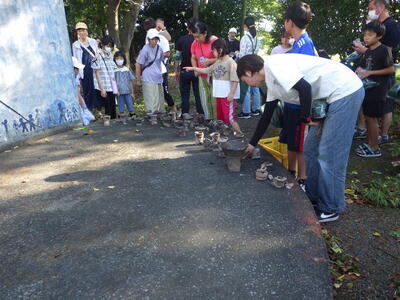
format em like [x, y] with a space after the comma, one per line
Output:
[81, 25]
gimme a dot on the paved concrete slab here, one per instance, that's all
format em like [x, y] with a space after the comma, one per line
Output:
[139, 213]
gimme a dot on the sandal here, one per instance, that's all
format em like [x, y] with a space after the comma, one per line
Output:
[366, 151]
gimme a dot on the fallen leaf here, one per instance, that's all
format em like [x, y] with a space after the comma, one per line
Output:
[7, 151]
[80, 128]
[16, 147]
[349, 285]
[96, 189]
[349, 200]
[337, 285]
[395, 234]
[377, 234]
[354, 172]
[25, 181]
[376, 172]
[90, 130]
[350, 192]
[46, 140]
[340, 278]
[115, 141]
[111, 186]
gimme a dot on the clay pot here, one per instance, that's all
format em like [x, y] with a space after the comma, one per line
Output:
[233, 150]
[107, 120]
[215, 136]
[279, 182]
[199, 137]
[124, 118]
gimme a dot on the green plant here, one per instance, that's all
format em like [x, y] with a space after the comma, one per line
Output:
[382, 192]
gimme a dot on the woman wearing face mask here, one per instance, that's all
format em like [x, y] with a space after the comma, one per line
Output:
[104, 68]
[249, 44]
[85, 51]
[202, 57]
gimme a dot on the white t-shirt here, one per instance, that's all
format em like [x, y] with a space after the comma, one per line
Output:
[280, 50]
[328, 79]
[164, 44]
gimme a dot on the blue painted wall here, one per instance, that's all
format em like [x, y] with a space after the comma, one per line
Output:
[36, 73]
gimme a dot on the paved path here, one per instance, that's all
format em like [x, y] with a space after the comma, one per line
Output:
[123, 213]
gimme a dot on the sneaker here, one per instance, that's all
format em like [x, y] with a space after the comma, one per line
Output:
[383, 139]
[302, 184]
[326, 217]
[243, 115]
[257, 112]
[360, 134]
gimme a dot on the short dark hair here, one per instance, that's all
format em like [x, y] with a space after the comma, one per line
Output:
[252, 63]
[190, 24]
[375, 26]
[149, 23]
[200, 27]
[107, 39]
[385, 3]
[299, 13]
[221, 47]
[122, 54]
[284, 33]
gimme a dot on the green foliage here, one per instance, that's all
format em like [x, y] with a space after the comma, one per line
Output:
[336, 23]
[383, 192]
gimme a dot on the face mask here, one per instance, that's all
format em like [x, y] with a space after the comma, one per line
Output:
[119, 62]
[291, 41]
[373, 15]
[107, 49]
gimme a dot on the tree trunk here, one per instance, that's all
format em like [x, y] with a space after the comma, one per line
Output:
[243, 16]
[128, 29]
[113, 20]
[196, 6]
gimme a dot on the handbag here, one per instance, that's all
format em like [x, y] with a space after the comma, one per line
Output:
[114, 86]
[155, 57]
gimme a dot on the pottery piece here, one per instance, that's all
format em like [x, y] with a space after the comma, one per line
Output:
[233, 151]
[279, 182]
[107, 120]
[199, 137]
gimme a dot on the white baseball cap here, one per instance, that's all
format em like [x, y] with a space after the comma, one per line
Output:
[153, 33]
[232, 30]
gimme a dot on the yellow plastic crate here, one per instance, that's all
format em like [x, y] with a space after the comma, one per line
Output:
[277, 150]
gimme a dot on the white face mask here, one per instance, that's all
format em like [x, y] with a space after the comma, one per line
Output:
[291, 41]
[107, 49]
[372, 15]
[119, 62]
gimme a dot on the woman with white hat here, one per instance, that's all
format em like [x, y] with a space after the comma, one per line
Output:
[85, 51]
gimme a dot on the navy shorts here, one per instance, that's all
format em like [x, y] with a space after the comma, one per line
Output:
[293, 131]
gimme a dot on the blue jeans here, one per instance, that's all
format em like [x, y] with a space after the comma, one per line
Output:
[125, 99]
[326, 152]
[255, 92]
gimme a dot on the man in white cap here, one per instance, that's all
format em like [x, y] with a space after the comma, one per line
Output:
[233, 43]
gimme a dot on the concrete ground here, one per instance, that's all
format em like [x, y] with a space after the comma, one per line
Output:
[131, 212]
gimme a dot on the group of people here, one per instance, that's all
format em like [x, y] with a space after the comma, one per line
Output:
[223, 71]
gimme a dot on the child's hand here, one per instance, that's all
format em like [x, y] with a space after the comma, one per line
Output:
[103, 93]
[363, 74]
[133, 96]
[118, 94]
[249, 151]
[139, 82]
[230, 98]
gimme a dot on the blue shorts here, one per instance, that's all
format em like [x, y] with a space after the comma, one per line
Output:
[293, 131]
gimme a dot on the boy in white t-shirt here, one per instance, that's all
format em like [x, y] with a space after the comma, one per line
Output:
[327, 146]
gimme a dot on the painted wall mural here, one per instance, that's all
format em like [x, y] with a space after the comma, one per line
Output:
[37, 90]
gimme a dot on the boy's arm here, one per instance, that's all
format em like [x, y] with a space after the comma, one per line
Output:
[304, 89]
[101, 87]
[385, 71]
[232, 92]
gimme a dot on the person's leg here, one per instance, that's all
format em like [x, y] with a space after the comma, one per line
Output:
[111, 105]
[246, 102]
[121, 103]
[184, 87]
[386, 122]
[387, 119]
[150, 93]
[255, 106]
[220, 109]
[373, 132]
[160, 96]
[301, 165]
[106, 102]
[196, 93]
[167, 96]
[231, 117]
[128, 102]
[334, 149]
[361, 122]
[203, 96]
[311, 151]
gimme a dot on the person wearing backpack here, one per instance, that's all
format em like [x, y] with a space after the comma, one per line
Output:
[149, 75]
[249, 44]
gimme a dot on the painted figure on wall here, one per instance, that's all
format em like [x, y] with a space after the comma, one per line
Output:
[16, 127]
[31, 122]
[5, 124]
[23, 125]
[61, 110]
